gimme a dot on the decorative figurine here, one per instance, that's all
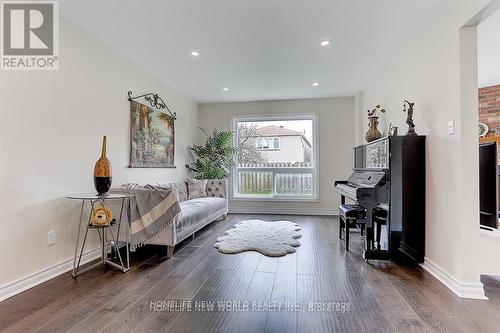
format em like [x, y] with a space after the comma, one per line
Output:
[101, 216]
[409, 117]
[373, 132]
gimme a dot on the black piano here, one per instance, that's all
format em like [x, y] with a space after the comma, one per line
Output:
[390, 173]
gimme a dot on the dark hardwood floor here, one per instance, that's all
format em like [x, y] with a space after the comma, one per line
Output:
[323, 287]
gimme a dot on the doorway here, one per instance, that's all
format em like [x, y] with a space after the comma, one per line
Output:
[484, 245]
[488, 62]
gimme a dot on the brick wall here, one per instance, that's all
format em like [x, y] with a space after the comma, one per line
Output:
[489, 108]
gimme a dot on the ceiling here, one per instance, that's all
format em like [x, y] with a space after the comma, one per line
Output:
[260, 50]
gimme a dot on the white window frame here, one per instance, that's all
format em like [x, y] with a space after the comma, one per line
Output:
[314, 157]
[268, 138]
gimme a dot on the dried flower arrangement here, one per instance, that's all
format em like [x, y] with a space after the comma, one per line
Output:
[376, 111]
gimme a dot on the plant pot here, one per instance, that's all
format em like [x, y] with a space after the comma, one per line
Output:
[102, 172]
[373, 133]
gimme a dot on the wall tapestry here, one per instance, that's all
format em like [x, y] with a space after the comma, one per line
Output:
[152, 142]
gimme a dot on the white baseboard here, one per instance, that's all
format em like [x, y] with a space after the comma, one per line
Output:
[284, 211]
[461, 289]
[13, 288]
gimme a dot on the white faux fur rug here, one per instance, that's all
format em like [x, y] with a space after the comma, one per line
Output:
[273, 239]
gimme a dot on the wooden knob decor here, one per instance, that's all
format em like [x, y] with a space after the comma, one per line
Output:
[102, 172]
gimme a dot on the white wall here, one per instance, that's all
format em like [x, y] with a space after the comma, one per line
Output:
[50, 135]
[488, 47]
[336, 139]
[429, 73]
[490, 246]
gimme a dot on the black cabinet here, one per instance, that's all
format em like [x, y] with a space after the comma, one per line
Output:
[407, 207]
[403, 159]
[488, 179]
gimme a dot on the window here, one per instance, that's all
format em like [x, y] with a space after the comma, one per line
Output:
[276, 159]
[267, 143]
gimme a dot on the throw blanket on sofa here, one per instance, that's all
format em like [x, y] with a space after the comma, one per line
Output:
[152, 209]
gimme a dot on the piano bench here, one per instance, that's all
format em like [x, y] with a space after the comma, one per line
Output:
[352, 211]
[380, 213]
[351, 215]
[379, 218]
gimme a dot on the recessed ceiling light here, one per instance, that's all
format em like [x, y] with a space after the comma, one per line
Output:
[225, 89]
[325, 42]
[195, 53]
[315, 84]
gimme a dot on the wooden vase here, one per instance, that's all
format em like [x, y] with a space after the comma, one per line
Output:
[373, 132]
[102, 172]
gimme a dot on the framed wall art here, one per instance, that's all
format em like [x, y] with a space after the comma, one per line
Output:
[152, 133]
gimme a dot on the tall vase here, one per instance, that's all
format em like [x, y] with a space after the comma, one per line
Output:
[373, 133]
[102, 172]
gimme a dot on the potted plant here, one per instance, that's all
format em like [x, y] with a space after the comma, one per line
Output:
[214, 159]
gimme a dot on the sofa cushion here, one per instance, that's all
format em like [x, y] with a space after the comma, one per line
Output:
[216, 188]
[196, 210]
[197, 188]
[179, 187]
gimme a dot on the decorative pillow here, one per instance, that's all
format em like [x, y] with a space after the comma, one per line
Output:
[197, 188]
[179, 187]
[216, 188]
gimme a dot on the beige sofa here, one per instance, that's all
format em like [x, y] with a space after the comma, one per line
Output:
[195, 213]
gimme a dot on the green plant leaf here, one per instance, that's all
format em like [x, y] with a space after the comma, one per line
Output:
[215, 158]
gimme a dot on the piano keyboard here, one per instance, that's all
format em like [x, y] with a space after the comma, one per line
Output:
[346, 190]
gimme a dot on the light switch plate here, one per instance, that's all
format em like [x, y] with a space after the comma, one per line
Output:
[451, 127]
[51, 237]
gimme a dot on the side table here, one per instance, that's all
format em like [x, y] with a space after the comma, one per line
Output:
[103, 232]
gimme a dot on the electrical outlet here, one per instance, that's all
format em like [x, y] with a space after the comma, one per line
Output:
[51, 237]
[451, 127]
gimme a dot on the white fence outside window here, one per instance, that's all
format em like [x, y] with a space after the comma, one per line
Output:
[275, 179]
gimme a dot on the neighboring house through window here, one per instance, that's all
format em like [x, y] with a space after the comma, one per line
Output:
[293, 145]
